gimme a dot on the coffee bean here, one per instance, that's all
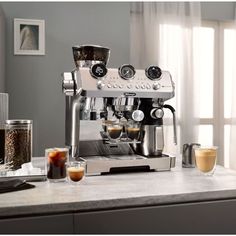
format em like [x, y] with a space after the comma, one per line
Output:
[18, 147]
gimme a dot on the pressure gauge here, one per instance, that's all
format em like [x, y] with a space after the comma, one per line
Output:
[127, 72]
[98, 70]
[153, 72]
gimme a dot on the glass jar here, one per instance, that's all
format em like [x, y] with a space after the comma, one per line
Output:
[18, 142]
[3, 118]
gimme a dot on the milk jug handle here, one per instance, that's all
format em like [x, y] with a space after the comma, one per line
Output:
[174, 121]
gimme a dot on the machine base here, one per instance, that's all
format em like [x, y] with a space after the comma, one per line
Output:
[97, 165]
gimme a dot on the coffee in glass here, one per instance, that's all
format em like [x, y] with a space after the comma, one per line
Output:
[133, 130]
[206, 159]
[76, 171]
[114, 130]
[56, 163]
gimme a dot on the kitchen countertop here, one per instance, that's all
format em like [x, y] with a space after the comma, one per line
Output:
[180, 185]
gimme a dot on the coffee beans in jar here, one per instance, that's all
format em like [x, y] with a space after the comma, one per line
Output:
[18, 142]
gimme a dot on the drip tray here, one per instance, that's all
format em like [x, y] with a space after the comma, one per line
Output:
[97, 165]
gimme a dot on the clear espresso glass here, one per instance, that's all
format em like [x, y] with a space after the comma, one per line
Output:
[76, 171]
[206, 159]
[133, 130]
[114, 131]
[56, 163]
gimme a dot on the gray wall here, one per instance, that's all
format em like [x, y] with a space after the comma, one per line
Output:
[34, 82]
[223, 11]
[2, 51]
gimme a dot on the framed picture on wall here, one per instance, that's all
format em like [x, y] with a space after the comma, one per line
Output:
[29, 37]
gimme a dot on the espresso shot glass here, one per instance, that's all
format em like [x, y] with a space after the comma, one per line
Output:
[133, 130]
[114, 131]
[76, 171]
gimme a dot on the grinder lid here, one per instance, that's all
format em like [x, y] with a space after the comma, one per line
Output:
[18, 122]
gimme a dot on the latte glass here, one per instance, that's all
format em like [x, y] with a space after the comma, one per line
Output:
[206, 159]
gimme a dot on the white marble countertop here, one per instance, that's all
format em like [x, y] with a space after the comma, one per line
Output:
[115, 191]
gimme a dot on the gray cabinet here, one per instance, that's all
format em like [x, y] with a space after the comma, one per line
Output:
[55, 224]
[216, 217]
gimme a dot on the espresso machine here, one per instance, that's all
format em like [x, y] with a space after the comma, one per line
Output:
[113, 98]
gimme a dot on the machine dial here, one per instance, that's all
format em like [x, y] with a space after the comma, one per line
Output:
[153, 72]
[127, 71]
[98, 70]
[157, 113]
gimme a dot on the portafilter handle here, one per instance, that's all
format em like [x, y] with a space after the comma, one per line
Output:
[174, 121]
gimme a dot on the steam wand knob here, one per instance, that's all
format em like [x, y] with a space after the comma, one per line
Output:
[157, 113]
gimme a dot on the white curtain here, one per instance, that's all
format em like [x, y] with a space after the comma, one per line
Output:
[162, 34]
[232, 142]
[2, 51]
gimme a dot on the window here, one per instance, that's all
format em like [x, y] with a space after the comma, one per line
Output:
[213, 51]
[215, 72]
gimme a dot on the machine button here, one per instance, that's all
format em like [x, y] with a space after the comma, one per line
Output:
[137, 86]
[148, 86]
[156, 86]
[143, 86]
[100, 84]
[115, 86]
[129, 86]
[109, 85]
[121, 86]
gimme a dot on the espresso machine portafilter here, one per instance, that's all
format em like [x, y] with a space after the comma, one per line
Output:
[128, 95]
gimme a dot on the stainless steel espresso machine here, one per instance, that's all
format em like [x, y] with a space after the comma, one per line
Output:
[127, 106]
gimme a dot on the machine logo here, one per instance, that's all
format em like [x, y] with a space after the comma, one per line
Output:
[130, 94]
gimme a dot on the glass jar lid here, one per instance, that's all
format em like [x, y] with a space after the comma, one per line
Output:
[18, 122]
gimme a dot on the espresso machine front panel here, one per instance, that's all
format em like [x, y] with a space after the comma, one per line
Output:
[112, 85]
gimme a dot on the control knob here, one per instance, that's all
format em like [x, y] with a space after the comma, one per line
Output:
[137, 115]
[98, 70]
[156, 86]
[68, 84]
[157, 113]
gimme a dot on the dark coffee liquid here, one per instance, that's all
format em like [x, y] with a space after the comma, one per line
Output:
[56, 172]
[57, 165]
[133, 133]
[2, 145]
[114, 132]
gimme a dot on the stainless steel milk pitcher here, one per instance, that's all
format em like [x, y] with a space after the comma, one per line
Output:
[188, 157]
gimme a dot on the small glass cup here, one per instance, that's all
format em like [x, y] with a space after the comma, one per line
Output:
[105, 123]
[56, 163]
[133, 130]
[206, 159]
[114, 131]
[76, 171]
